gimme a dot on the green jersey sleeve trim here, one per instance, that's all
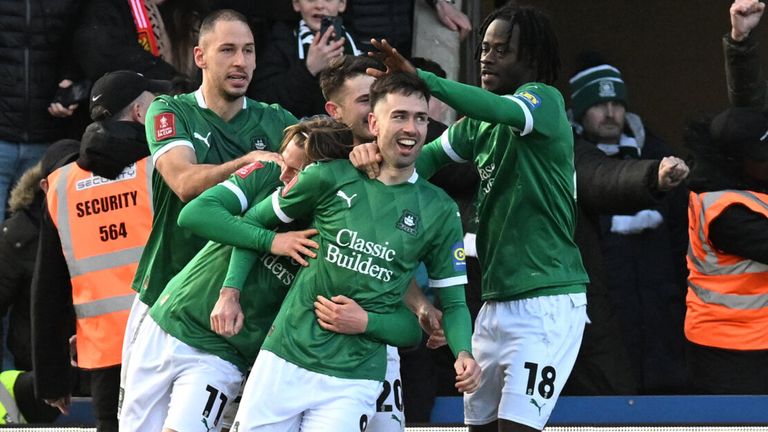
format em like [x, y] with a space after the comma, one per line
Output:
[170, 146]
[238, 193]
[528, 128]
[445, 142]
[276, 208]
[442, 283]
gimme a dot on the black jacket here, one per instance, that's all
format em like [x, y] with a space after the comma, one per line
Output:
[605, 185]
[35, 54]
[105, 145]
[282, 78]
[388, 19]
[107, 41]
[18, 249]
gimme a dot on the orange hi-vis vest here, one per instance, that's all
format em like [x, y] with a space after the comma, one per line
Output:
[727, 301]
[103, 225]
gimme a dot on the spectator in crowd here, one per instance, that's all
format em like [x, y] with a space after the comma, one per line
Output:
[92, 234]
[649, 304]
[18, 250]
[37, 61]
[152, 37]
[726, 318]
[393, 20]
[743, 71]
[287, 72]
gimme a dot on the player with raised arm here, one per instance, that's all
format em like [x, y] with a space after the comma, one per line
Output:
[518, 136]
[372, 234]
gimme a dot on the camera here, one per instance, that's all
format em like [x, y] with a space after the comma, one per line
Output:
[76, 93]
[336, 23]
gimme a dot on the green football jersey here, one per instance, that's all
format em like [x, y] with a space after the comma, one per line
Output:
[527, 194]
[371, 238]
[184, 307]
[185, 120]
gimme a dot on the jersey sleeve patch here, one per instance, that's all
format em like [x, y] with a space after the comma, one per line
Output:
[459, 257]
[245, 171]
[530, 98]
[165, 126]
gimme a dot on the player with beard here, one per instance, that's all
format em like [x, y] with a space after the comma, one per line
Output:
[321, 380]
[197, 140]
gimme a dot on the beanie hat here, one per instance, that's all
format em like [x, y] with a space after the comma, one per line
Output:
[596, 85]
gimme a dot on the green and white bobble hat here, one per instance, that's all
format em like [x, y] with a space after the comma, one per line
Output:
[595, 85]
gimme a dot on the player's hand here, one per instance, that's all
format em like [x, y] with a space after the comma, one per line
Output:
[321, 53]
[672, 172]
[58, 110]
[263, 156]
[391, 59]
[294, 244]
[366, 158]
[468, 373]
[453, 18]
[227, 315]
[745, 15]
[341, 314]
[430, 319]
[62, 404]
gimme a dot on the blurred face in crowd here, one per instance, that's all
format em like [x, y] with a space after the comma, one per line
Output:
[351, 106]
[400, 125]
[227, 57]
[604, 122]
[293, 161]
[500, 70]
[313, 11]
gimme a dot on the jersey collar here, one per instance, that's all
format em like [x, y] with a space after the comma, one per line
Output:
[201, 101]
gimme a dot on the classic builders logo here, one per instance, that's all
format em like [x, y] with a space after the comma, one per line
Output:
[355, 253]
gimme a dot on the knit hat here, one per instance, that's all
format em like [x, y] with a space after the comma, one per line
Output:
[741, 132]
[59, 154]
[596, 85]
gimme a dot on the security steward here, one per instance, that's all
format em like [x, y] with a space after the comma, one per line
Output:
[726, 320]
[98, 218]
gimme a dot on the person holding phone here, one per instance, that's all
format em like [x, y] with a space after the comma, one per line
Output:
[293, 57]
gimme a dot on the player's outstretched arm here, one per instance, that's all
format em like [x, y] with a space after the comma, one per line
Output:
[475, 102]
[341, 314]
[188, 179]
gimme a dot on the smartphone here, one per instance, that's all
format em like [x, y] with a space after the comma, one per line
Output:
[336, 23]
[76, 93]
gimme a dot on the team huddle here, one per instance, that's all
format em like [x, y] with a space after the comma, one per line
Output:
[281, 251]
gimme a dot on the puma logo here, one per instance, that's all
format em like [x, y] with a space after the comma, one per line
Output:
[397, 419]
[346, 198]
[203, 138]
[534, 403]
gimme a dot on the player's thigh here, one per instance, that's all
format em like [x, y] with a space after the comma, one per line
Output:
[203, 388]
[344, 405]
[144, 399]
[547, 332]
[136, 316]
[289, 393]
[389, 416]
[481, 406]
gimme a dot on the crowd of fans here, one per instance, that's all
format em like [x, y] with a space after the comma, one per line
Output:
[670, 255]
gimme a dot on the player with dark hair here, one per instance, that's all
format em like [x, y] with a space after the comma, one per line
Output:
[529, 330]
[372, 234]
